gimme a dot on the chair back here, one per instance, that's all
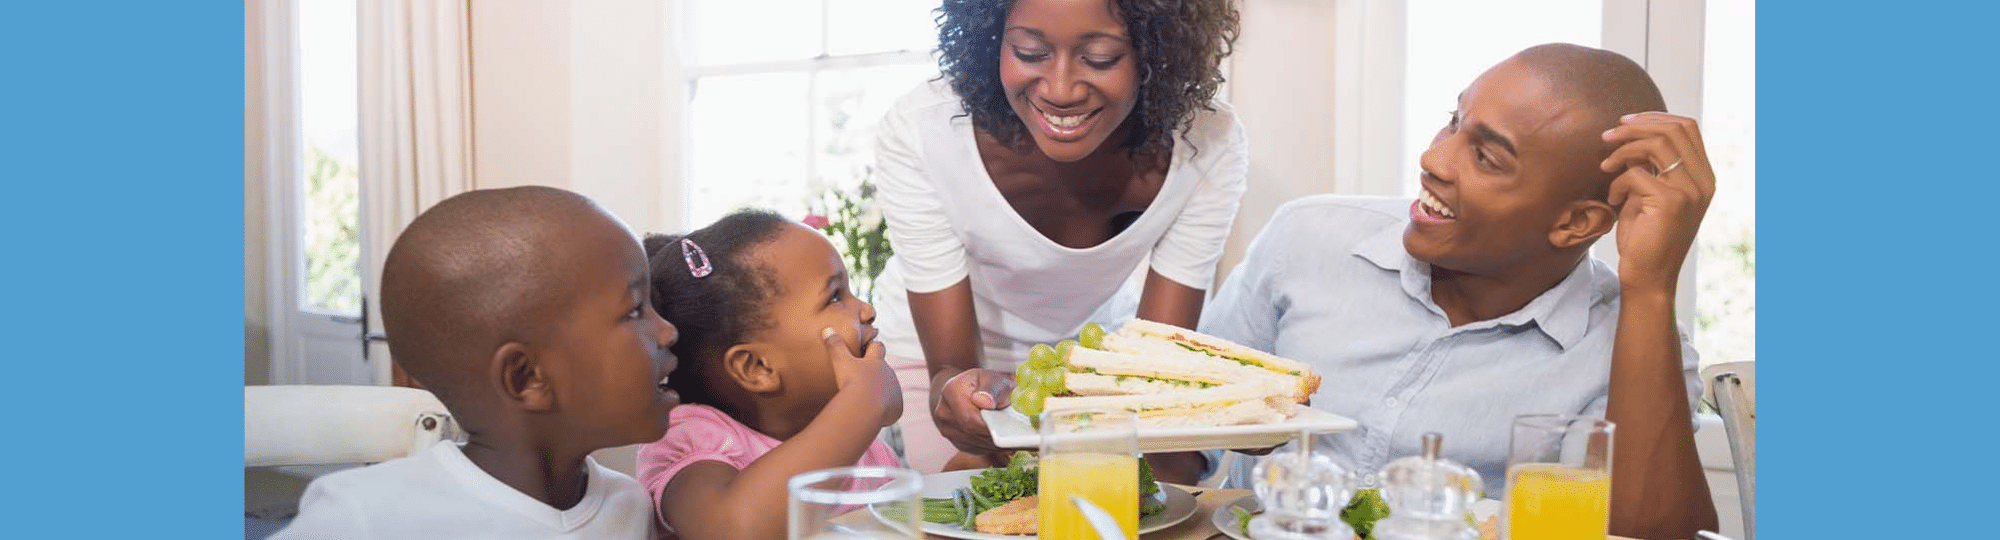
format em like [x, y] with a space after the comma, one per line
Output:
[334, 424]
[1732, 388]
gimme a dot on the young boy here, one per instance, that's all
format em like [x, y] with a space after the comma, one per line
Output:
[526, 311]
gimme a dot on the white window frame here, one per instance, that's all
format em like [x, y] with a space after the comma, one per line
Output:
[294, 326]
[691, 73]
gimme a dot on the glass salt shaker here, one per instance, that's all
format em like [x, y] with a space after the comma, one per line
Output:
[1429, 497]
[1302, 493]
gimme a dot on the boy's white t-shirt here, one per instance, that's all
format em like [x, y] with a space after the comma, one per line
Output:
[438, 493]
[948, 222]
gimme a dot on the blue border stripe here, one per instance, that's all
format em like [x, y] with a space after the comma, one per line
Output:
[123, 162]
[1875, 153]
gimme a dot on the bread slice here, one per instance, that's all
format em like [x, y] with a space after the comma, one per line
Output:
[1170, 366]
[1141, 336]
[1230, 404]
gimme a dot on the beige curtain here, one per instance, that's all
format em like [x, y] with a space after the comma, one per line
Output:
[416, 126]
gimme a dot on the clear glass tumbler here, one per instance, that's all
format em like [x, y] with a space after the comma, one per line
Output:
[855, 503]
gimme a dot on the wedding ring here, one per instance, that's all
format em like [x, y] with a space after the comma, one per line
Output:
[1670, 168]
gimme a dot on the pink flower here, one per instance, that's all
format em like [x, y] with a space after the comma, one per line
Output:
[816, 221]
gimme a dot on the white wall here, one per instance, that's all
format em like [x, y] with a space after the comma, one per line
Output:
[1281, 83]
[574, 94]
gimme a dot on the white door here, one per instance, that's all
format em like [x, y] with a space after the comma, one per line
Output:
[318, 293]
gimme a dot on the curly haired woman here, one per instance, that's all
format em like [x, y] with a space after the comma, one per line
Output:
[1071, 166]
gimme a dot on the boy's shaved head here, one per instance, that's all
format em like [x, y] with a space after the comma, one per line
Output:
[1606, 84]
[475, 271]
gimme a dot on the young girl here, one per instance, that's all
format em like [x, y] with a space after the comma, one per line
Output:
[779, 374]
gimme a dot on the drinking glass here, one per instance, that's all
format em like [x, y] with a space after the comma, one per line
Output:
[1559, 478]
[1094, 454]
[830, 504]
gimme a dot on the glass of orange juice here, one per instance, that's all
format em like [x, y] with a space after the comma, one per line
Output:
[1092, 453]
[1559, 478]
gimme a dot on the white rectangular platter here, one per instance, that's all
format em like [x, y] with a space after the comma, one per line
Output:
[1011, 430]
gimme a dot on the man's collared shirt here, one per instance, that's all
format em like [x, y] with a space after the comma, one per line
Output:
[1329, 283]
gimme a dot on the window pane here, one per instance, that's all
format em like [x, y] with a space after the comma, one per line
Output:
[734, 31]
[1450, 42]
[748, 137]
[1726, 267]
[850, 102]
[881, 26]
[330, 113]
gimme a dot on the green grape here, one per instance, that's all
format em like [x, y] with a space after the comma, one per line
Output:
[1043, 356]
[1092, 336]
[1023, 372]
[1050, 380]
[1020, 394]
[1030, 401]
[1063, 349]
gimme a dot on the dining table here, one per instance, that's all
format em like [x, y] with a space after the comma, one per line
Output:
[1198, 526]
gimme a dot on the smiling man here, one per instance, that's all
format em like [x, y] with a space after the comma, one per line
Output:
[1479, 301]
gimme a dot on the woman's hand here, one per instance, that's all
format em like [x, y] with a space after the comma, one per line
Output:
[957, 398]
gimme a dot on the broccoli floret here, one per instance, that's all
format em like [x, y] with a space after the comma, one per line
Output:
[1362, 513]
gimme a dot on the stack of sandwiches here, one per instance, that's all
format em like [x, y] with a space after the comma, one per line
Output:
[1174, 377]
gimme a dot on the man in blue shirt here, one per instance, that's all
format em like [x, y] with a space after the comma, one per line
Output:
[1479, 301]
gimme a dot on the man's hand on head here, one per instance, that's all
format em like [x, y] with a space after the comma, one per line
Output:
[1663, 188]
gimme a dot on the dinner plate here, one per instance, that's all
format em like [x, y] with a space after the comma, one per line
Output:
[1180, 506]
[1010, 429]
[1225, 520]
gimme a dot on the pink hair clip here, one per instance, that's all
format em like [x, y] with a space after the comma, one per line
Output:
[691, 252]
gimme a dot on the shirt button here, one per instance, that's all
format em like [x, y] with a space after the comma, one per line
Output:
[1389, 402]
[1368, 480]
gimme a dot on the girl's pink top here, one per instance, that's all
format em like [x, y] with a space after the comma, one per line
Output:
[703, 433]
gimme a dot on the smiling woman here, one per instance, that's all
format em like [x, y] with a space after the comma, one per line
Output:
[1072, 166]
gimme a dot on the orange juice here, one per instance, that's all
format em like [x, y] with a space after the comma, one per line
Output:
[1546, 501]
[1109, 481]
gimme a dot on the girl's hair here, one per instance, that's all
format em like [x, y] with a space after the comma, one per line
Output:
[718, 310]
[1179, 45]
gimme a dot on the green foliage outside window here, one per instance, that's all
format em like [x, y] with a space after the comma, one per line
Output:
[332, 234]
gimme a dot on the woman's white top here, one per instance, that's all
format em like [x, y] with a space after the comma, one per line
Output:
[947, 221]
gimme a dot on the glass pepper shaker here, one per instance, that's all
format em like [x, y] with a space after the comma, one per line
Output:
[1430, 498]
[1302, 493]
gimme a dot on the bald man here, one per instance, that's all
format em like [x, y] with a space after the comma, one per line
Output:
[526, 311]
[1479, 301]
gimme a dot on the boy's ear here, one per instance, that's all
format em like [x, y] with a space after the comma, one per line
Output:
[751, 367]
[523, 379]
[1581, 222]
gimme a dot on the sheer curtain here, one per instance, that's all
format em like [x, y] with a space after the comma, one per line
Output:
[416, 125]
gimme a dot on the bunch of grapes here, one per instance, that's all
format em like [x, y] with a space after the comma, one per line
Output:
[1042, 375]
